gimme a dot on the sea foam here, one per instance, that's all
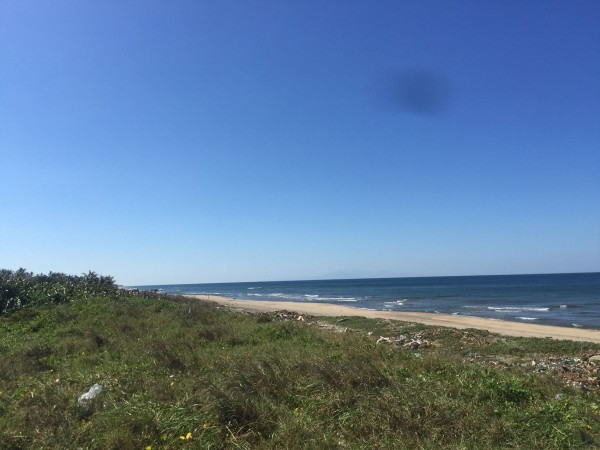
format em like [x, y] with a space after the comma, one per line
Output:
[514, 309]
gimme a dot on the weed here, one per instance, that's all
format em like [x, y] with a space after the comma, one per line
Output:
[167, 355]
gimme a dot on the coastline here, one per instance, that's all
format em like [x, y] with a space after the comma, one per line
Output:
[453, 321]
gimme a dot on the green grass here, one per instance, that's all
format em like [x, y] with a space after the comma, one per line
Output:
[175, 366]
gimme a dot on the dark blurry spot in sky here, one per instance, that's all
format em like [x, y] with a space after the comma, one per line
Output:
[417, 91]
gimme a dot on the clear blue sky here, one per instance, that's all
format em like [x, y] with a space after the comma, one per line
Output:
[207, 141]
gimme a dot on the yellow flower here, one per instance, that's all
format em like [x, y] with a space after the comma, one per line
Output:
[205, 426]
[187, 437]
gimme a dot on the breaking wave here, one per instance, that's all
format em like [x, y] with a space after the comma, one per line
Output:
[512, 309]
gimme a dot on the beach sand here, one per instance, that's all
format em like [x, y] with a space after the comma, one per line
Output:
[495, 326]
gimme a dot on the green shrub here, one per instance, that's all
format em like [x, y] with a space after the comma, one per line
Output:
[20, 288]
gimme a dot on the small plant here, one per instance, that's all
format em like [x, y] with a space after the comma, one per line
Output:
[506, 389]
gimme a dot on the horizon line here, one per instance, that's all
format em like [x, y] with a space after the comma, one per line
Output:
[366, 278]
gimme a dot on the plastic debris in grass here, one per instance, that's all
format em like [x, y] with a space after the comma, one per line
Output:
[93, 392]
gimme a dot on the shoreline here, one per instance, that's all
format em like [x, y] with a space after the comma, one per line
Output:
[502, 327]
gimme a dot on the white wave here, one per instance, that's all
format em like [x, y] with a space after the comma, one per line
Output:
[576, 325]
[311, 296]
[563, 306]
[527, 318]
[514, 309]
[338, 299]
[396, 303]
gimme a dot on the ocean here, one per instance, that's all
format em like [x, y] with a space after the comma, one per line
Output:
[569, 300]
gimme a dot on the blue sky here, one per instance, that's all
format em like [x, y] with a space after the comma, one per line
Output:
[183, 142]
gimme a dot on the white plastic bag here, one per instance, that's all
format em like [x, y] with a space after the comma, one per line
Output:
[89, 395]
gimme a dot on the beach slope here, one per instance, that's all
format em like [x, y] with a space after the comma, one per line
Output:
[454, 321]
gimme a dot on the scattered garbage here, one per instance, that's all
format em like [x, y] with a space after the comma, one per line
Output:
[580, 372]
[595, 360]
[89, 395]
[413, 341]
[289, 315]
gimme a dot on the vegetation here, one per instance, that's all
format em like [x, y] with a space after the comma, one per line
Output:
[20, 288]
[179, 373]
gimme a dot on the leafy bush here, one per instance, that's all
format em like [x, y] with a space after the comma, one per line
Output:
[21, 288]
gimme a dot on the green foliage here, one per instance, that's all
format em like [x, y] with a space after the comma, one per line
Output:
[19, 289]
[510, 389]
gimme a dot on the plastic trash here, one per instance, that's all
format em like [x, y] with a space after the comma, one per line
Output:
[89, 395]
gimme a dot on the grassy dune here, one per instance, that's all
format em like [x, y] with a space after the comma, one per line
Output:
[179, 373]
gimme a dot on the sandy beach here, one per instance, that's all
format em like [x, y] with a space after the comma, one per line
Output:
[454, 321]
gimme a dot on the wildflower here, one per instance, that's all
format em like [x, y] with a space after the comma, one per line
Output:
[187, 437]
[205, 426]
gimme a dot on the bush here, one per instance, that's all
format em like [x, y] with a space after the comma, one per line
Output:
[21, 288]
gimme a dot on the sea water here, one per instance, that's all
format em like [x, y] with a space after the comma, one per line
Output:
[570, 300]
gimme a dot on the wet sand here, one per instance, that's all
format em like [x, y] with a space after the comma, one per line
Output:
[452, 321]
